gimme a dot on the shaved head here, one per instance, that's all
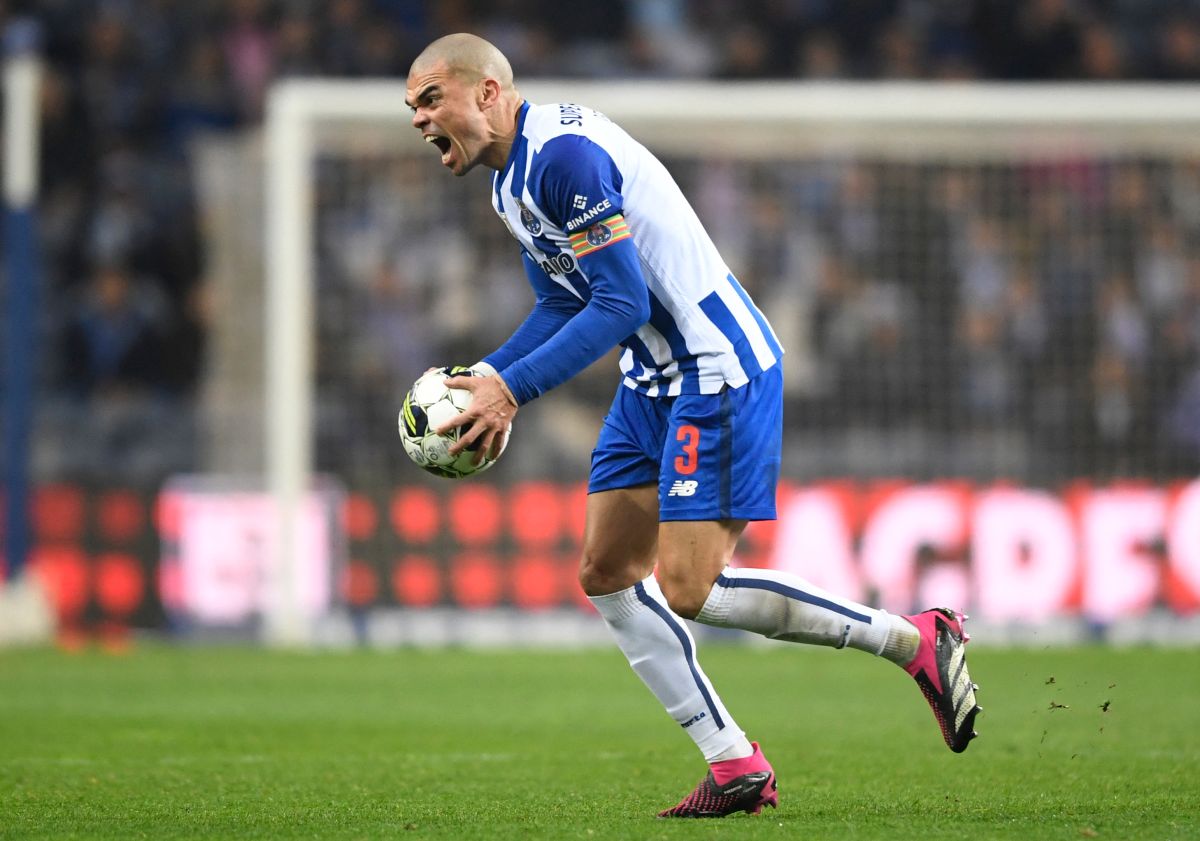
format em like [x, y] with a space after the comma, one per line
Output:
[469, 57]
[461, 93]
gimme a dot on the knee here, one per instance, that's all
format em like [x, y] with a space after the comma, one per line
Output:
[685, 594]
[600, 575]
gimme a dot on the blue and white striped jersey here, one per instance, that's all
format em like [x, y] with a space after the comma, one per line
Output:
[576, 183]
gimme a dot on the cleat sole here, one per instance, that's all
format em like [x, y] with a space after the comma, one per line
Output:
[968, 726]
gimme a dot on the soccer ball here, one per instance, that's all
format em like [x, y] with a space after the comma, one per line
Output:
[427, 406]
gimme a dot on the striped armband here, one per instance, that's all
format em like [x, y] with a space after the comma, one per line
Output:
[600, 235]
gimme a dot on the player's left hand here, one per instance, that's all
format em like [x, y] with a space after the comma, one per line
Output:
[489, 415]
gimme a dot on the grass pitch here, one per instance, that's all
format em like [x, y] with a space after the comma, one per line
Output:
[234, 743]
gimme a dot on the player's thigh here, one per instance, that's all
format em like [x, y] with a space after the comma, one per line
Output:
[621, 533]
[620, 538]
[691, 554]
[719, 469]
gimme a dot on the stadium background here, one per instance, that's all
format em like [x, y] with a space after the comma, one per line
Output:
[949, 327]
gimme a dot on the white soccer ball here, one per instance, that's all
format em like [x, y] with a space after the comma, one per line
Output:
[429, 404]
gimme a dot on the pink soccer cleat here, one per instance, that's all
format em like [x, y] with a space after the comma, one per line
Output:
[736, 785]
[940, 669]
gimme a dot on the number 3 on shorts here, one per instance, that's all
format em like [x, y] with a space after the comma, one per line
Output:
[685, 465]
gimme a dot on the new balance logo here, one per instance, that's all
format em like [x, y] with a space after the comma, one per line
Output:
[683, 487]
[580, 202]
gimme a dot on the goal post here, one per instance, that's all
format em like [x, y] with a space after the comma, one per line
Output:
[289, 306]
[768, 123]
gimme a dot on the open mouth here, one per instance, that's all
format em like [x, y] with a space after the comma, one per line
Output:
[442, 143]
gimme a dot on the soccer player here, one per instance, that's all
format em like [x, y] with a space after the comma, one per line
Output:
[690, 449]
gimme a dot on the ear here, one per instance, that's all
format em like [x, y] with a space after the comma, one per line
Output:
[488, 93]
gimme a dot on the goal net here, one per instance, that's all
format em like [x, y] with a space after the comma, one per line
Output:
[976, 284]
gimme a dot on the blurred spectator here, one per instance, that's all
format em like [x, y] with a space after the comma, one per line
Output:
[746, 54]
[295, 51]
[1161, 268]
[880, 376]
[1182, 428]
[342, 33]
[185, 339]
[901, 52]
[1183, 193]
[116, 95]
[248, 40]
[113, 339]
[664, 41]
[1101, 54]
[1038, 39]
[1028, 331]
[201, 98]
[66, 163]
[124, 423]
[122, 227]
[1123, 327]
[1129, 205]
[988, 375]
[983, 266]
[1115, 417]
[383, 51]
[820, 57]
[1176, 54]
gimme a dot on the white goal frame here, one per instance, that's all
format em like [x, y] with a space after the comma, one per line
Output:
[740, 119]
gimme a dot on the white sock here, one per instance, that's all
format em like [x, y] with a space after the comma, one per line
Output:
[661, 650]
[786, 607]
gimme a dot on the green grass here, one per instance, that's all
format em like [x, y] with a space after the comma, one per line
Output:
[234, 743]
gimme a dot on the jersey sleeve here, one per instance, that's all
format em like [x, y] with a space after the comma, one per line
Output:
[620, 304]
[553, 308]
[575, 182]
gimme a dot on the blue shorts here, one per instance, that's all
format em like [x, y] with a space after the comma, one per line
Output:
[714, 456]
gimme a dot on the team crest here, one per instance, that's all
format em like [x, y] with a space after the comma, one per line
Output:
[599, 234]
[530, 221]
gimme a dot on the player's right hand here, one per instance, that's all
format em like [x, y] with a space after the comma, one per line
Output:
[489, 415]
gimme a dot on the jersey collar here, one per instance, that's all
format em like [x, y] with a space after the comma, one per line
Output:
[518, 139]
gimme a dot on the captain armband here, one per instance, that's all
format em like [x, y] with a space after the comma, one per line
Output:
[600, 235]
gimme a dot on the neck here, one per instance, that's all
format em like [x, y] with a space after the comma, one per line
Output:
[504, 132]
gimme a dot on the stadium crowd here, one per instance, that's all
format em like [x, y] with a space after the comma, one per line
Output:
[1085, 337]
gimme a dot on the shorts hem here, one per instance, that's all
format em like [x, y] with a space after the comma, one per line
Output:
[616, 484]
[766, 512]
